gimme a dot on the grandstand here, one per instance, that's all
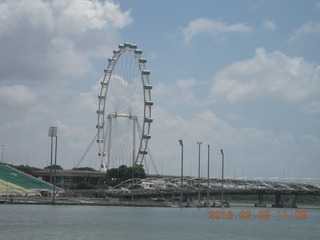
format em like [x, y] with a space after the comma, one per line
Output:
[15, 183]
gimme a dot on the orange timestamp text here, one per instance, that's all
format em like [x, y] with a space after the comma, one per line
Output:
[258, 215]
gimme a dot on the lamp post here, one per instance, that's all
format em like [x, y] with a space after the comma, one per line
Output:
[2, 154]
[55, 170]
[181, 193]
[199, 143]
[133, 155]
[208, 201]
[222, 155]
[53, 133]
[132, 177]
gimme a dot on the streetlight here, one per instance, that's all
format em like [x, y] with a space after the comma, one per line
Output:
[133, 155]
[208, 201]
[222, 154]
[2, 154]
[53, 133]
[181, 193]
[199, 143]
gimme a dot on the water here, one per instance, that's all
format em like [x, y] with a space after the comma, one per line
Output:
[43, 222]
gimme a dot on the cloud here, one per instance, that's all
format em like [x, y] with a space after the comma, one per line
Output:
[267, 75]
[313, 107]
[215, 28]
[28, 113]
[85, 15]
[188, 83]
[270, 25]
[253, 150]
[181, 93]
[16, 97]
[310, 28]
[313, 144]
[40, 39]
[59, 40]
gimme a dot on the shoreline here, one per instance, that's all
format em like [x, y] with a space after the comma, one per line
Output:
[82, 202]
[116, 202]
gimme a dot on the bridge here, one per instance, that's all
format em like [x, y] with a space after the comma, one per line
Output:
[194, 189]
[168, 187]
[234, 186]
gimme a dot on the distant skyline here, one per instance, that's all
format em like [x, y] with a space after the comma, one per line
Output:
[242, 76]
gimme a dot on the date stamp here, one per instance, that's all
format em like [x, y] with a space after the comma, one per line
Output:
[257, 215]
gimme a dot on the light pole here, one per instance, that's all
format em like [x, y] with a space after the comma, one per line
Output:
[208, 201]
[2, 154]
[181, 193]
[55, 170]
[222, 155]
[133, 156]
[132, 177]
[199, 143]
[53, 133]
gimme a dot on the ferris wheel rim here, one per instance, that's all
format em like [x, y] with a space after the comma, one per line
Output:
[147, 103]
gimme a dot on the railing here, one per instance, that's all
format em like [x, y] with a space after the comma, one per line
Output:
[305, 186]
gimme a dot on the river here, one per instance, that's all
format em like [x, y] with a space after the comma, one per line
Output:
[32, 222]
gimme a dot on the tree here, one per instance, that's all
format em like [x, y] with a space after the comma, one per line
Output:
[58, 167]
[25, 168]
[83, 185]
[123, 173]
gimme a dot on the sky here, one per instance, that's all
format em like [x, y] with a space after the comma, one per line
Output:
[242, 76]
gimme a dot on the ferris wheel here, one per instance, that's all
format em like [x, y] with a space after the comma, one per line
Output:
[124, 110]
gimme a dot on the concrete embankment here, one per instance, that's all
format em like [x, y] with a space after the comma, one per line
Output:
[84, 201]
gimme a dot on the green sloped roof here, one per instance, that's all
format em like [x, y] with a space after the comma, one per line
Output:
[24, 180]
